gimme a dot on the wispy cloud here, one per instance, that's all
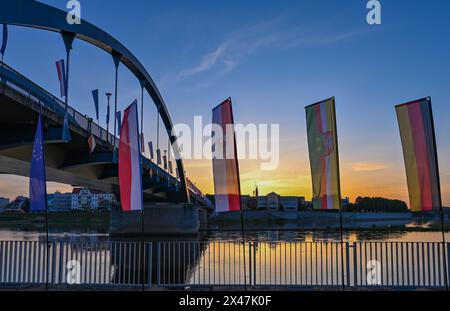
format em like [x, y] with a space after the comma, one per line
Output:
[237, 45]
[228, 54]
[207, 62]
[368, 166]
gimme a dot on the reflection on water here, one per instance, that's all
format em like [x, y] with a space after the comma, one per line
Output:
[331, 236]
[260, 236]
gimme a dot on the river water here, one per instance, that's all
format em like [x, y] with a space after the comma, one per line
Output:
[257, 236]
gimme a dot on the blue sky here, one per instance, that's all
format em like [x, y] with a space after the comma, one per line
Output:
[272, 58]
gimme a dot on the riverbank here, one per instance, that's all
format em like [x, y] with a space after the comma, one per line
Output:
[81, 221]
[319, 220]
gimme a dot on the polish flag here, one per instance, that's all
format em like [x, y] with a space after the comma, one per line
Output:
[92, 144]
[61, 76]
[225, 169]
[130, 177]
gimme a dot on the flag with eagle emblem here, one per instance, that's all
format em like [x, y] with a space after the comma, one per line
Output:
[323, 154]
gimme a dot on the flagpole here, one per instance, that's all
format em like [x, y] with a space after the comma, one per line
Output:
[143, 265]
[3, 48]
[116, 59]
[47, 239]
[3, 66]
[142, 114]
[157, 130]
[239, 196]
[444, 250]
[141, 157]
[341, 229]
[47, 242]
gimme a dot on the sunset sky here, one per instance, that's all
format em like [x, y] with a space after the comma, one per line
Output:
[272, 58]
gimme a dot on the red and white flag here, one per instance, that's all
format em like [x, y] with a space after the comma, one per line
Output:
[61, 76]
[225, 169]
[130, 177]
[92, 144]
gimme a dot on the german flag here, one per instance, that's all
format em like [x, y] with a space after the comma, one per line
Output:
[415, 120]
[323, 154]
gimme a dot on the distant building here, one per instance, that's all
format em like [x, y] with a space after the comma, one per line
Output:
[244, 202]
[19, 205]
[87, 199]
[262, 203]
[345, 201]
[275, 202]
[80, 199]
[3, 202]
[290, 203]
[59, 202]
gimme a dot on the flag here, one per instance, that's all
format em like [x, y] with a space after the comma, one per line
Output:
[150, 149]
[142, 143]
[130, 178]
[107, 115]
[225, 169]
[95, 96]
[415, 120]
[92, 144]
[66, 131]
[158, 156]
[119, 122]
[4, 40]
[323, 154]
[170, 168]
[38, 188]
[165, 161]
[61, 76]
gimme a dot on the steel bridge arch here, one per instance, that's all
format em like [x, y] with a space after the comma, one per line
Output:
[33, 14]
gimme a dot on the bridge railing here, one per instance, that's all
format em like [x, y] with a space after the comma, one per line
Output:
[39, 95]
[408, 265]
[303, 264]
[96, 264]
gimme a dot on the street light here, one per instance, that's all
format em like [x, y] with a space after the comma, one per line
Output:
[108, 95]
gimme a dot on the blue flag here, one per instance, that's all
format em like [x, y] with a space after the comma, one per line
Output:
[107, 115]
[95, 96]
[119, 121]
[38, 188]
[66, 130]
[5, 39]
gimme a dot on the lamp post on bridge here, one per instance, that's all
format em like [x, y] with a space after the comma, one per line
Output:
[108, 96]
[68, 38]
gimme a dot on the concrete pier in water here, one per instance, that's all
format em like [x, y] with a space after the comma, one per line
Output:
[159, 219]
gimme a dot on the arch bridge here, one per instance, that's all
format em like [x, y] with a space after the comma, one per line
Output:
[70, 162]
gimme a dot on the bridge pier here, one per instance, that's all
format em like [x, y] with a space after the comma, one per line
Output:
[160, 219]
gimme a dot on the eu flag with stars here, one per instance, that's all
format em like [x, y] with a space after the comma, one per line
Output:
[38, 188]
